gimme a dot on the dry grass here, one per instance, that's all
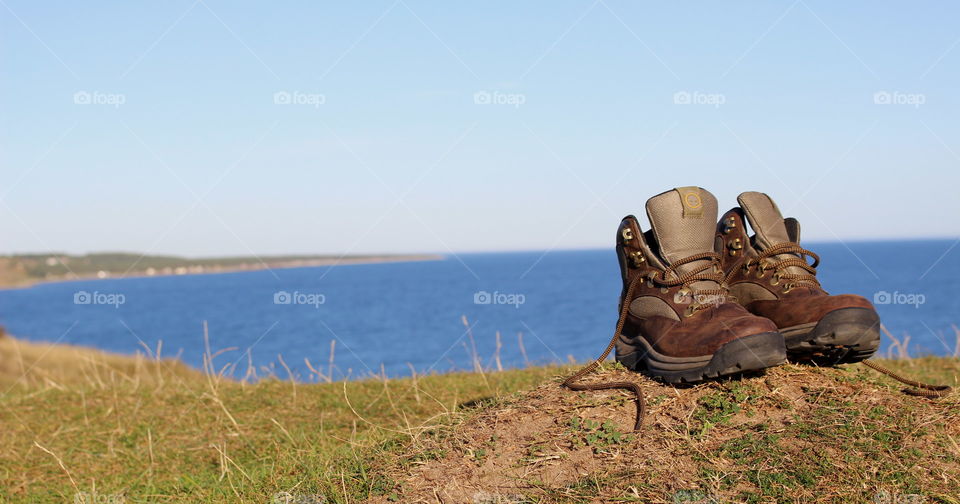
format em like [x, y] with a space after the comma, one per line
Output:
[28, 365]
[80, 425]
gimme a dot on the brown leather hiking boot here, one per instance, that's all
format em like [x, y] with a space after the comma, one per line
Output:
[676, 323]
[769, 275]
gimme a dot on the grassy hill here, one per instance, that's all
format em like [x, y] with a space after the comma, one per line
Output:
[110, 428]
[79, 425]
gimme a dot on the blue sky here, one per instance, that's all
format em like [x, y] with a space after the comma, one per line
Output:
[157, 127]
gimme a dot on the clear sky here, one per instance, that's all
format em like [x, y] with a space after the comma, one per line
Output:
[223, 127]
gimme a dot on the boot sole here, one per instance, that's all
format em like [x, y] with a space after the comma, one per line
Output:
[842, 336]
[750, 353]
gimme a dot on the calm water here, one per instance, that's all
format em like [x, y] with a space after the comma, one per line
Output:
[402, 314]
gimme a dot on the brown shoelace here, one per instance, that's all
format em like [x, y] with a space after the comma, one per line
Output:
[763, 263]
[919, 389]
[670, 277]
[664, 278]
[571, 382]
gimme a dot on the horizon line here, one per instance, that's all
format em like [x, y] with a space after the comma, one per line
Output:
[432, 253]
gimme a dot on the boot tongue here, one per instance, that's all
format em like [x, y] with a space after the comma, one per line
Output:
[683, 222]
[765, 219]
[767, 223]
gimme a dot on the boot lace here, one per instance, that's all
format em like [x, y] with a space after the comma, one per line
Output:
[571, 381]
[767, 260]
[668, 277]
[919, 389]
[710, 272]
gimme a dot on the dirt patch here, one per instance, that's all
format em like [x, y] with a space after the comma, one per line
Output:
[793, 433]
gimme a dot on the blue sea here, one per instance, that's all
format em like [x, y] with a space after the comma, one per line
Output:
[396, 317]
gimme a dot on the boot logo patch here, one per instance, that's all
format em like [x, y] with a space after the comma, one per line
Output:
[692, 202]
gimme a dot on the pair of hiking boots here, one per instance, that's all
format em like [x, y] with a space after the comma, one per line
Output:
[703, 299]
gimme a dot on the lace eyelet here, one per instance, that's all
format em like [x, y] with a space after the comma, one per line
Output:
[729, 224]
[650, 277]
[775, 280]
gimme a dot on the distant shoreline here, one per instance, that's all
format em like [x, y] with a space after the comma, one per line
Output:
[199, 269]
